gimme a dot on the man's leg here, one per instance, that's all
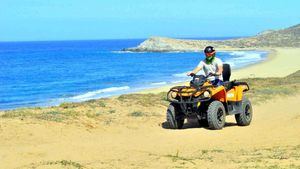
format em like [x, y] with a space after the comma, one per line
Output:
[217, 82]
[220, 82]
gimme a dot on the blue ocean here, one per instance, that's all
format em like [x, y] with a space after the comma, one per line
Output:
[49, 73]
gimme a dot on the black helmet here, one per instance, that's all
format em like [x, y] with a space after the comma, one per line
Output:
[209, 49]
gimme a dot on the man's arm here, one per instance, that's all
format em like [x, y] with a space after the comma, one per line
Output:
[220, 69]
[197, 69]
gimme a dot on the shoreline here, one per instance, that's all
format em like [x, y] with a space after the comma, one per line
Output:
[166, 87]
[274, 57]
[280, 62]
[271, 54]
[270, 67]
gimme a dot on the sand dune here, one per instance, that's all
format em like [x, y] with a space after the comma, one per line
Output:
[144, 143]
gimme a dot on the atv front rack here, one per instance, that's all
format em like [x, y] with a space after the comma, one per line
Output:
[188, 94]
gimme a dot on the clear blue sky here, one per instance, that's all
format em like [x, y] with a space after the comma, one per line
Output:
[117, 19]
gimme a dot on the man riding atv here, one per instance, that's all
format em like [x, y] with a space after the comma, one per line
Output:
[208, 98]
[211, 66]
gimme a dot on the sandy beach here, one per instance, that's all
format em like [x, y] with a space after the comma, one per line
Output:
[131, 134]
[280, 62]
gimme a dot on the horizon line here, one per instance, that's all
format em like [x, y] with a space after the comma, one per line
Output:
[64, 40]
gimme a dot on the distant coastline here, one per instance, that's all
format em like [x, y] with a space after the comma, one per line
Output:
[289, 37]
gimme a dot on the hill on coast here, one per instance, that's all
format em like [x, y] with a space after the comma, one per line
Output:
[289, 37]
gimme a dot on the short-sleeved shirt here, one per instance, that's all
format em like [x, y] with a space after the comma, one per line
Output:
[211, 68]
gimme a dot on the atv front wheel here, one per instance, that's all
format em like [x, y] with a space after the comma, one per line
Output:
[216, 115]
[173, 117]
[244, 118]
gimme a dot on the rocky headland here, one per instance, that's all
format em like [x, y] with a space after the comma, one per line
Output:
[289, 37]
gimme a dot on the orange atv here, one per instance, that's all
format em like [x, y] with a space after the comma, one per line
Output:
[208, 103]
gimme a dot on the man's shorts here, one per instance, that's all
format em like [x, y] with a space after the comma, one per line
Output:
[217, 82]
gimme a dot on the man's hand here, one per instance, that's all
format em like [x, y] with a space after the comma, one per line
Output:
[190, 73]
[193, 73]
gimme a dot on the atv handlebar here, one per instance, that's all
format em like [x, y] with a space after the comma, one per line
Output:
[209, 75]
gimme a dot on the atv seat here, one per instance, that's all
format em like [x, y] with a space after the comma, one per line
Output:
[226, 72]
[226, 76]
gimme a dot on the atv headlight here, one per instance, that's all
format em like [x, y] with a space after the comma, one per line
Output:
[206, 94]
[173, 94]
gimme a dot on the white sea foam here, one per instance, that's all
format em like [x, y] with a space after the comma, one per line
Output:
[176, 51]
[246, 55]
[177, 81]
[237, 53]
[242, 58]
[158, 83]
[127, 52]
[251, 56]
[93, 94]
[180, 74]
[119, 51]
[231, 63]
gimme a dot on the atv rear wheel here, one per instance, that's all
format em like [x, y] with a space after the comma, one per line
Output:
[244, 118]
[216, 115]
[174, 118]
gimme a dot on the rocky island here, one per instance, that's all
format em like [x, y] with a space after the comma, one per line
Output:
[289, 37]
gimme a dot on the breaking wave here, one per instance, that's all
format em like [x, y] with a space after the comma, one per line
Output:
[158, 83]
[97, 93]
[242, 58]
[180, 74]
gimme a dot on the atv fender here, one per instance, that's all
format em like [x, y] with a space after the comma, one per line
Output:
[235, 94]
[219, 94]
